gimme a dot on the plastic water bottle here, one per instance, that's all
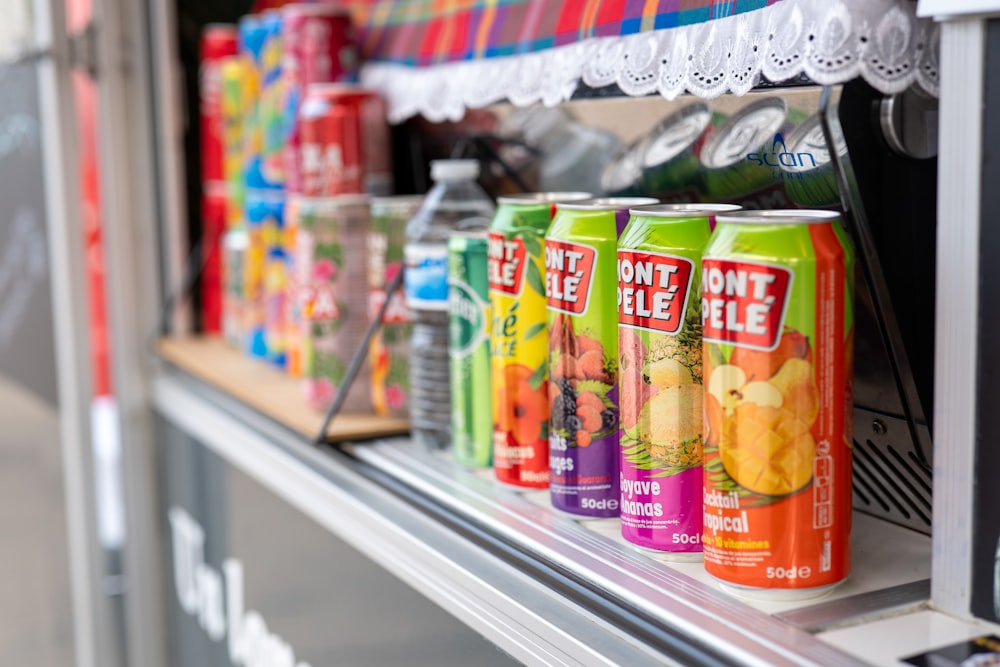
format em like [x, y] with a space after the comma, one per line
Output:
[455, 203]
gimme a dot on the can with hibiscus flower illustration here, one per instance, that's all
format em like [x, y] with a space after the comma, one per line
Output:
[389, 351]
[331, 261]
[777, 326]
[581, 291]
[660, 376]
[519, 335]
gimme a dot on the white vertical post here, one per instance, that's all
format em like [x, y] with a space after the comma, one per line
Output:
[957, 317]
[71, 324]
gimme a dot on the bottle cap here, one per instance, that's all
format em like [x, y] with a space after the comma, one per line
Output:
[454, 170]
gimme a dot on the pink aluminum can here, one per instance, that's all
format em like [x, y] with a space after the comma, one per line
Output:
[319, 47]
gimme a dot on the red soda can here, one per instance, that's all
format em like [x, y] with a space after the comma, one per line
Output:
[214, 211]
[218, 41]
[319, 47]
[331, 152]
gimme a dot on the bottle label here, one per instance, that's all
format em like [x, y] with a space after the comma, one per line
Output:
[426, 279]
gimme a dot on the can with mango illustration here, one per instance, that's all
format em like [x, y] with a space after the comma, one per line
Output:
[777, 326]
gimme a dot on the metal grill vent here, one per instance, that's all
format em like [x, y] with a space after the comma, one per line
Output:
[890, 480]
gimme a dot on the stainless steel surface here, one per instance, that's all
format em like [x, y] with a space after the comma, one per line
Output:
[956, 364]
[912, 440]
[860, 608]
[909, 123]
[512, 609]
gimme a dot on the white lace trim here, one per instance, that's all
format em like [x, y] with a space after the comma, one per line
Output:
[830, 41]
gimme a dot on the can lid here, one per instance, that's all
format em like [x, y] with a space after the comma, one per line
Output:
[683, 210]
[805, 148]
[675, 134]
[454, 170]
[606, 203]
[790, 216]
[748, 129]
[543, 198]
[623, 171]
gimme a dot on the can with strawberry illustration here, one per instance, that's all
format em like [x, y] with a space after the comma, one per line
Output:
[777, 326]
[519, 341]
[581, 288]
[660, 375]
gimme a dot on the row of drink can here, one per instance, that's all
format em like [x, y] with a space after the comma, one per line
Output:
[696, 383]
[764, 155]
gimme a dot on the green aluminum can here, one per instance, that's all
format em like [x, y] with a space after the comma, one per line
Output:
[807, 165]
[469, 348]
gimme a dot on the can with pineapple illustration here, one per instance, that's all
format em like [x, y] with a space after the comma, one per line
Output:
[777, 326]
[660, 375]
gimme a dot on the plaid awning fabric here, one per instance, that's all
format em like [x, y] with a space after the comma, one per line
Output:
[431, 32]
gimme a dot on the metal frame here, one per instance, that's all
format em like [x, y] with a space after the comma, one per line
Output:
[126, 140]
[956, 347]
[71, 331]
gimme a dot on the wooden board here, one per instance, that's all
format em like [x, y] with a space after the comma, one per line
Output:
[268, 390]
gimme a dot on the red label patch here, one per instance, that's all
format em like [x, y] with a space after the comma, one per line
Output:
[505, 262]
[743, 303]
[569, 273]
[653, 290]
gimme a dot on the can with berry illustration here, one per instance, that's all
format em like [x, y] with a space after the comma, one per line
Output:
[519, 338]
[469, 349]
[660, 375]
[581, 287]
[777, 326]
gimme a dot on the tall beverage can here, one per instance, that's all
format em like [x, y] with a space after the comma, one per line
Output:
[389, 351]
[469, 349]
[581, 295]
[318, 47]
[660, 375]
[807, 164]
[233, 106]
[265, 210]
[737, 156]
[330, 253]
[218, 42]
[332, 154]
[519, 335]
[668, 154]
[778, 326]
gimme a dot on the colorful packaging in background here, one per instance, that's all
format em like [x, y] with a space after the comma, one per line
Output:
[519, 336]
[581, 290]
[330, 127]
[218, 42]
[319, 47]
[469, 348]
[660, 375]
[273, 103]
[331, 242]
[778, 330]
[275, 297]
[214, 210]
[235, 243]
[234, 103]
[252, 42]
[294, 277]
[389, 352]
[264, 216]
